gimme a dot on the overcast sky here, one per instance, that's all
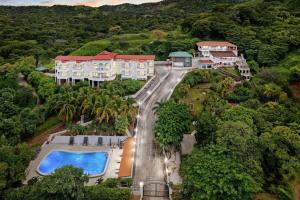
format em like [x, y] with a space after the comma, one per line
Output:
[93, 3]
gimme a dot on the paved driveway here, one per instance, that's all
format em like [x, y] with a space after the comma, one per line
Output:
[149, 163]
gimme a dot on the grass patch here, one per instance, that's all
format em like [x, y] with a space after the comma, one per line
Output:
[196, 96]
[92, 48]
[49, 123]
[231, 70]
[124, 41]
[264, 196]
[291, 60]
[132, 43]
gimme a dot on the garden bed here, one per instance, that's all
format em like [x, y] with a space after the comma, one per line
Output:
[196, 96]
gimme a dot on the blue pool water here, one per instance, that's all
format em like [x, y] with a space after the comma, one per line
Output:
[93, 163]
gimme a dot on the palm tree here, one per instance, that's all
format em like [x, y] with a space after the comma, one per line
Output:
[88, 104]
[103, 109]
[119, 105]
[157, 106]
[67, 105]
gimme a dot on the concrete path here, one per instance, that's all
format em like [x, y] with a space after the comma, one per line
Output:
[148, 160]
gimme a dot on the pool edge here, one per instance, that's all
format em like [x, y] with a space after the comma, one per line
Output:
[93, 176]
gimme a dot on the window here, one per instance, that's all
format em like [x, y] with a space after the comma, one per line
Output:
[77, 74]
[78, 67]
[141, 73]
[64, 74]
[141, 65]
[107, 66]
[96, 67]
[127, 72]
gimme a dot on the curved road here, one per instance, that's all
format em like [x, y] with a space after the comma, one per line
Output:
[148, 160]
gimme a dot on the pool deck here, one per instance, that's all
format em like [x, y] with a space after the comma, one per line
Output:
[112, 166]
[126, 164]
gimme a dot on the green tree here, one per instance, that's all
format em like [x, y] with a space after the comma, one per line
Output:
[223, 87]
[121, 124]
[295, 73]
[242, 143]
[104, 109]
[98, 192]
[281, 160]
[239, 113]
[211, 174]
[29, 120]
[271, 91]
[206, 128]
[67, 106]
[12, 129]
[13, 162]
[65, 183]
[174, 120]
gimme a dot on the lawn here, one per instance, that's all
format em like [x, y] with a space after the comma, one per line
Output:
[49, 123]
[196, 96]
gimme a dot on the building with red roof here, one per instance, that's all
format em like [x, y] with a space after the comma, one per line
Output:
[104, 66]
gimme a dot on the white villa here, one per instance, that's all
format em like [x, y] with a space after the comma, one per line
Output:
[105, 66]
[214, 53]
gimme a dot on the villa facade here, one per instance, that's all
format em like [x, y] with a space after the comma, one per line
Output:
[105, 66]
[217, 53]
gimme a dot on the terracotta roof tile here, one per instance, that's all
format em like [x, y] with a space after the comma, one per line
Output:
[222, 54]
[206, 62]
[135, 57]
[105, 55]
[215, 43]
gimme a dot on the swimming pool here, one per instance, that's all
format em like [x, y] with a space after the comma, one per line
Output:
[92, 163]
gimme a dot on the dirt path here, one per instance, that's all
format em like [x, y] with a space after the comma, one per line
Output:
[39, 139]
[21, 81]
[295, 88]
[297, 191]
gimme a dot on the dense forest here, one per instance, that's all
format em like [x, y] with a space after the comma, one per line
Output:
[47, 32]
[264, 30]
[264, 161]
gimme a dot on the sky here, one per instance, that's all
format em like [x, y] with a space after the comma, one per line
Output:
[93, 3]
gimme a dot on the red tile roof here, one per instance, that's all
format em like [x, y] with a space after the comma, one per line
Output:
[135, 57]
[206, 62]
[74, 58]
[105, 55]
[222, 54]
[215, 43]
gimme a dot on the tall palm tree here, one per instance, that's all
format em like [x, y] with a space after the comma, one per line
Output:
[119, 105]
[67, 105]
[88, 104]
[103, 109]
[157, 106]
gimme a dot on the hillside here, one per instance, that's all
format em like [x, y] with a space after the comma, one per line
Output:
[49, 31]
[156, 42]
